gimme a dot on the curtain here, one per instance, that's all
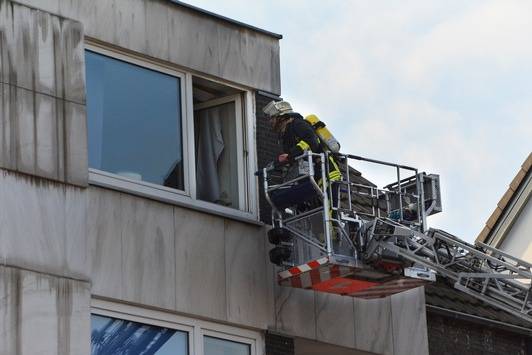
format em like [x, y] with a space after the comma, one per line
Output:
[216, 159]
[210, 147]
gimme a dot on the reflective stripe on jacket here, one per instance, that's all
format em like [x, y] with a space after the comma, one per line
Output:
[299, 137]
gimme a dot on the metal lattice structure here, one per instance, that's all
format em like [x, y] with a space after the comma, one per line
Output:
[353, 238]
[488, 274]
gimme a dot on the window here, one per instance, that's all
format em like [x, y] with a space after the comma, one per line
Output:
[170, 135]
[121, 329]
[216, 346]
[218, 144]
[111, 336]
[134, 121]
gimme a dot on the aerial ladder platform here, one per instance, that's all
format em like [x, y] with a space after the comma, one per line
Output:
[353, 238]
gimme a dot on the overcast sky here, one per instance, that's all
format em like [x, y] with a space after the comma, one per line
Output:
[444, 86]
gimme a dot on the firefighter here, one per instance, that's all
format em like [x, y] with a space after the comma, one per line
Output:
[298, 136]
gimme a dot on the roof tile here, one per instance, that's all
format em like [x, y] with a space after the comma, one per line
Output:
[493, 218]
[442, 295]
[484, 234]
[517, 180]
[506, 198]
[528, 162]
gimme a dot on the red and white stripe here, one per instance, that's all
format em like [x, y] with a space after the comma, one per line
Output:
[297, 270]
[322, 275]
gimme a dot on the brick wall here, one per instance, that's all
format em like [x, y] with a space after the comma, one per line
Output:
[456, 336]
[268, 149]
[279, 345]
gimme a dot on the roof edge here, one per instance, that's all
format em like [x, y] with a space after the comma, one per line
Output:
[226, 19]
[505, 201]
[479, 319]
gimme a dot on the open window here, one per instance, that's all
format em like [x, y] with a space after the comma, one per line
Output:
[163, 133]
[219, 144]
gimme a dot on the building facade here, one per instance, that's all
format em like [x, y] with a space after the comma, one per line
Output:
[459, 323]
[129, 212]
[508, 228]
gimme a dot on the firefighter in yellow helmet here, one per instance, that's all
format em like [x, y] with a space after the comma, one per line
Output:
[298, 136]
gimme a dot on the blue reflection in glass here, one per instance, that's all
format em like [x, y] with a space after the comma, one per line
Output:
[111, 336]
[134, 121]
[216, 346]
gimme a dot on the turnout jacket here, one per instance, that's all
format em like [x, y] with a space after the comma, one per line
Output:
[299, 137]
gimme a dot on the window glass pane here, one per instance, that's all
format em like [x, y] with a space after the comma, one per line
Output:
[134, 121]
[216, 152]
[111, 336]
[216, 346]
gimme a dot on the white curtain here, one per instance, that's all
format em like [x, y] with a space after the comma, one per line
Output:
[210, 148]
[217, 168]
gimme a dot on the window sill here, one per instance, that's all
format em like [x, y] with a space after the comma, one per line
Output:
[167, 195]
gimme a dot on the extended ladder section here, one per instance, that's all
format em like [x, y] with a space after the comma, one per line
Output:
[353, 238]
[483, 272]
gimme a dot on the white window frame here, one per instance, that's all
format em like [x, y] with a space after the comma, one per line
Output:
[244, 105]
[196, 328]
[239, 139]
[229, 337]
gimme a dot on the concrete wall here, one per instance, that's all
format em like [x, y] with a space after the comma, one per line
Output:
[178, 259]
[42, 95]
[137, 250]
[393, 325]
[43, 226]
[43, 314]
[167, 31]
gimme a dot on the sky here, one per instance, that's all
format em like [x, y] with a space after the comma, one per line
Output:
[443, 86]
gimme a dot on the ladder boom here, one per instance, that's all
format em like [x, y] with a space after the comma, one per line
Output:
[485, 273]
